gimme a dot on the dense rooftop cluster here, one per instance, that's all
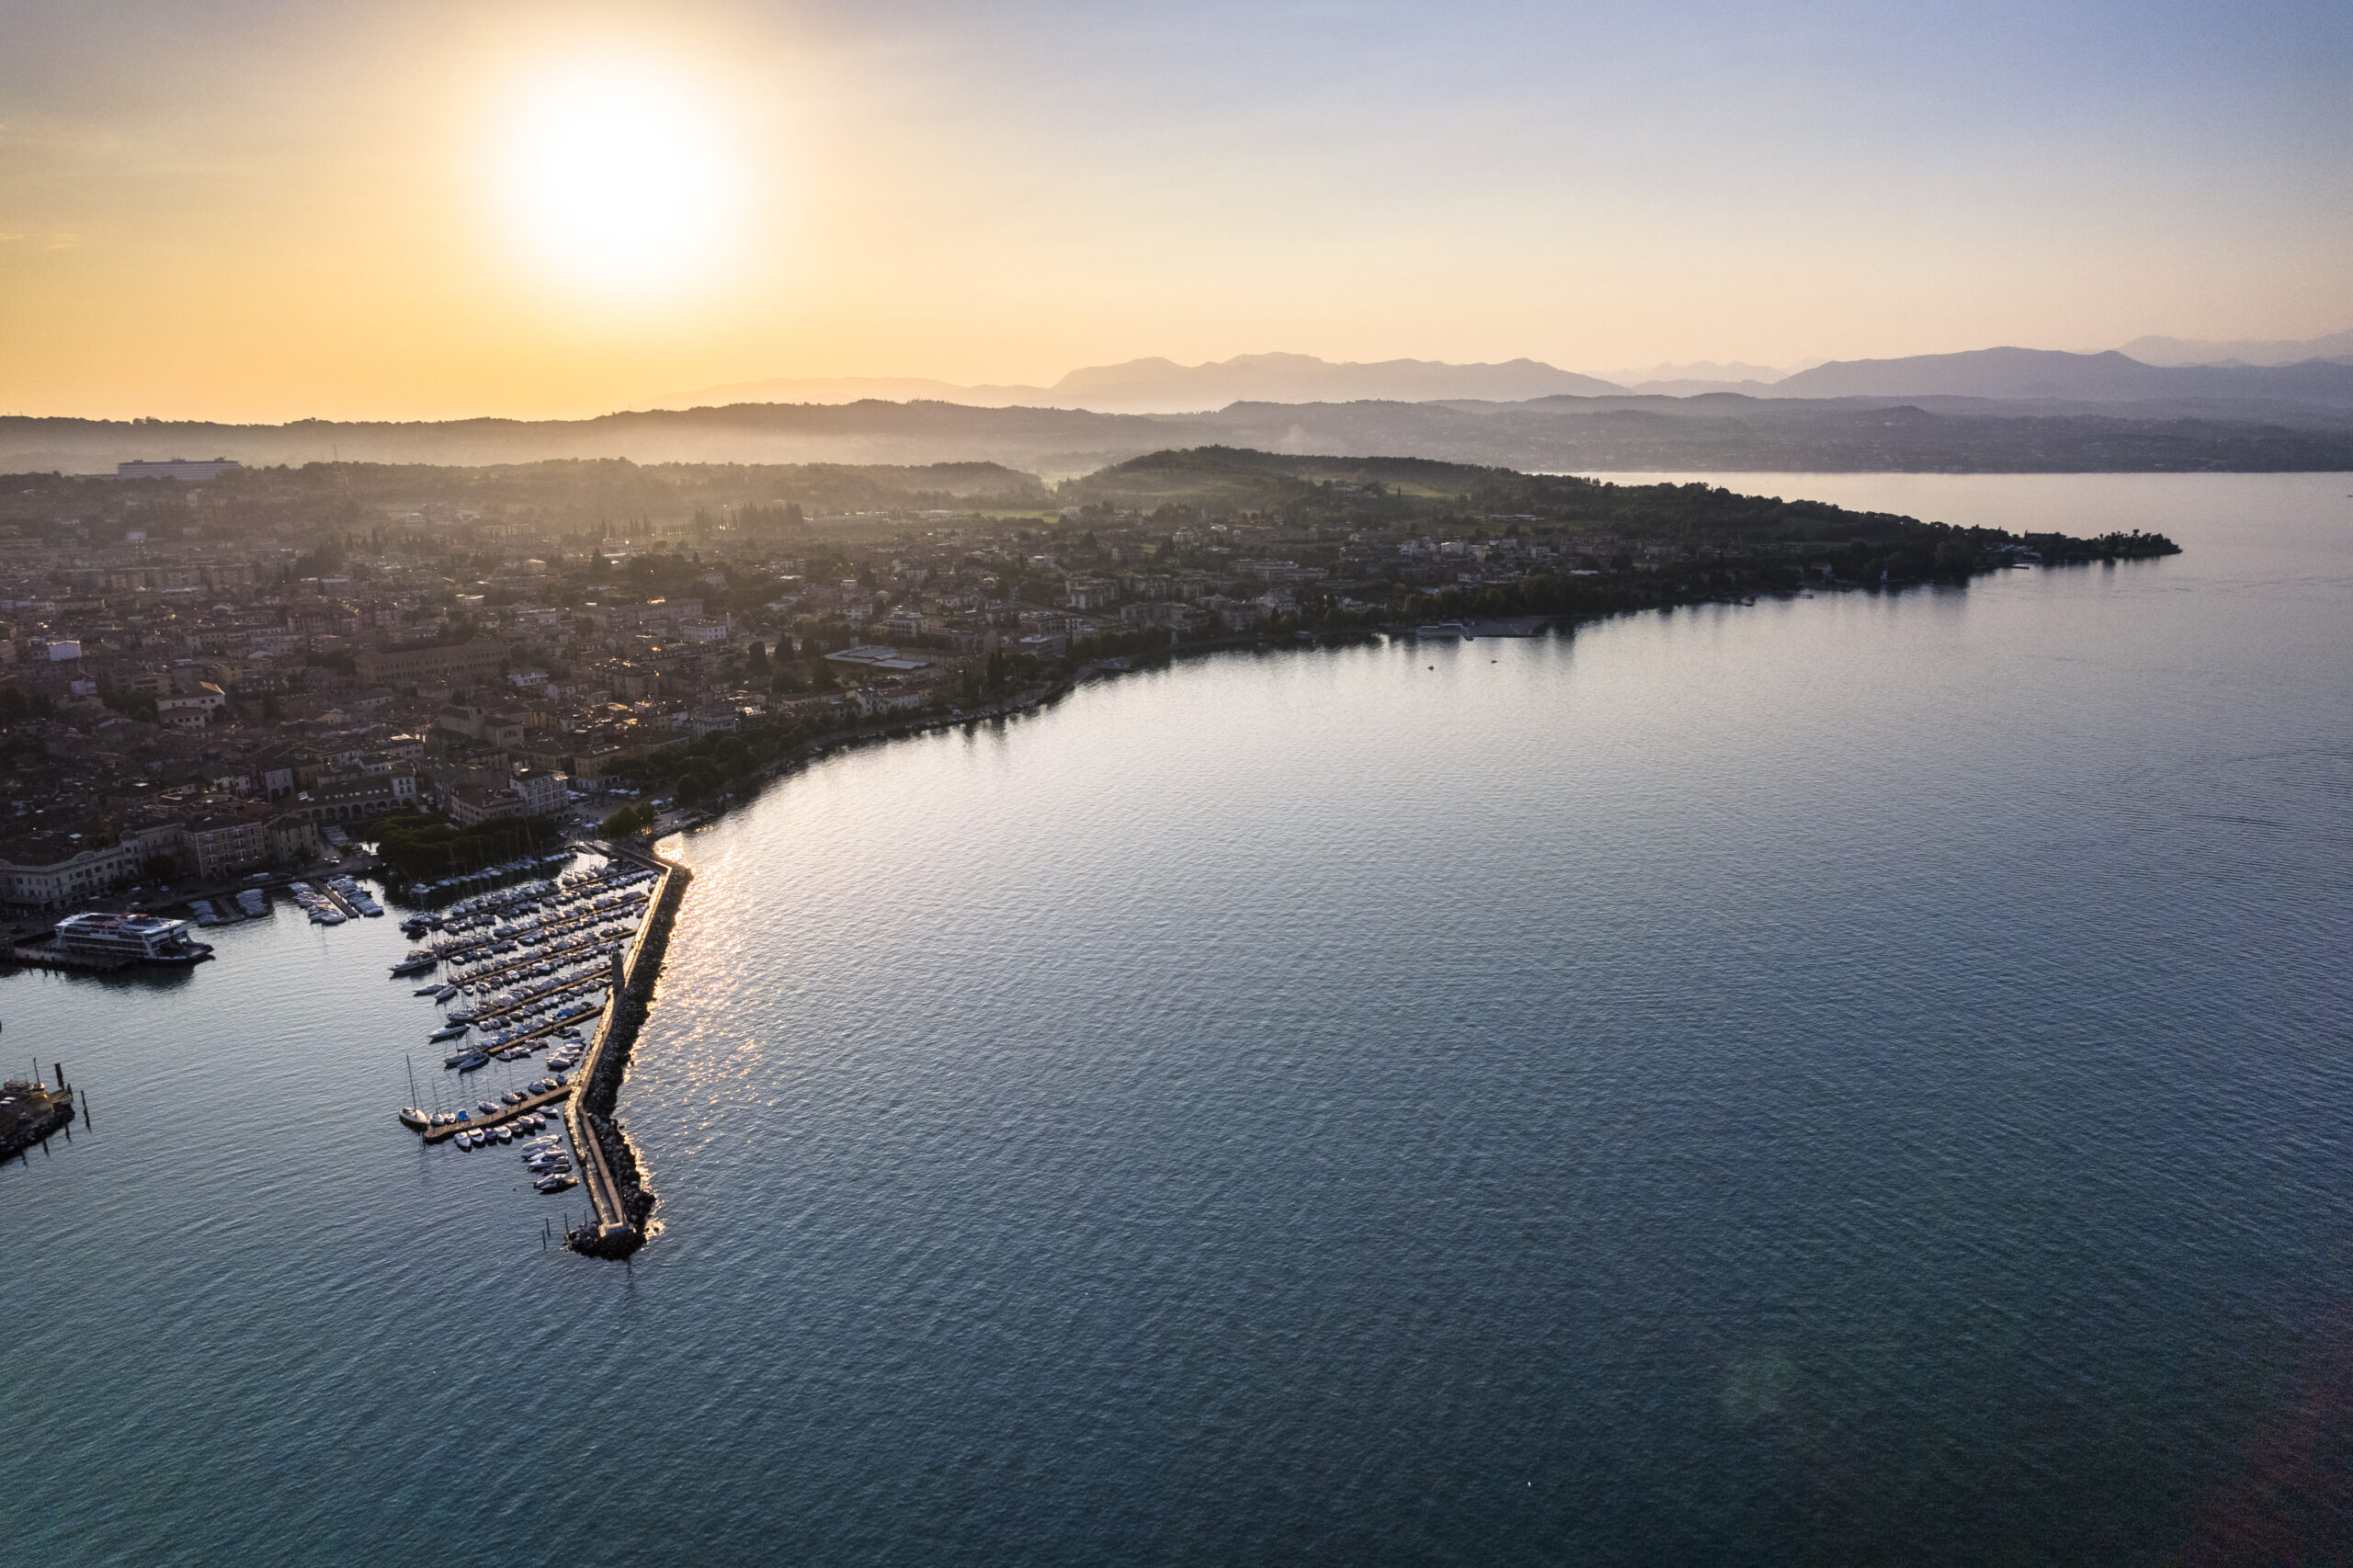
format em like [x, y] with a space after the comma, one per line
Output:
[197, 678]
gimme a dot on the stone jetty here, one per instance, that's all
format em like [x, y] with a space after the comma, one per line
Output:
[609, 1168]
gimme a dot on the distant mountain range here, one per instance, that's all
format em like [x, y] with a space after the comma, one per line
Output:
[2244, 351]
[1162, 386]
[2043, 374]
[1560, 433]
[1993, 410]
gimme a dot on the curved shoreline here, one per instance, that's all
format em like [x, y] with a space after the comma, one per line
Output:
[608, 1162]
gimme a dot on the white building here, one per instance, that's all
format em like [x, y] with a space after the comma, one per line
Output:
[541, 793]
[193, 712]
[51, 878]
[177, 468]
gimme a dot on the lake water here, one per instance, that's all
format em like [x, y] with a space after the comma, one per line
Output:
[1854, 1079]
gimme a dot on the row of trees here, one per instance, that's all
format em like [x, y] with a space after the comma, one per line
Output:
[426, 848]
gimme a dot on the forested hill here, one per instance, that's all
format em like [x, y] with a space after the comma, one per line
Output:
[1392, 491]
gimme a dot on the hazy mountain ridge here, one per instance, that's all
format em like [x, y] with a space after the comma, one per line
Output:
[2111, 377]
[2161, 350]
[1563, 432]
[1159, 386]
[1162, 386]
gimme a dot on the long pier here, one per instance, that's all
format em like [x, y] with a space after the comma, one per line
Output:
[504, 1113]
[607, 1162]
[536, 1031]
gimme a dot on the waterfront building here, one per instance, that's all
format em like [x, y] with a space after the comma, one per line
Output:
[48, 867]
[540, 791]
[225, 838]
[149, 937]
[471, 805]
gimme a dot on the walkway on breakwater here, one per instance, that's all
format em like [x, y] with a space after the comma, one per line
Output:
[601, 1150]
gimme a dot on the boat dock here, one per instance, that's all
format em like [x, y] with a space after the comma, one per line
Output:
[538, 1032]
[483, 1122]
[489, 1016]
[30, 1111]
[531, 959]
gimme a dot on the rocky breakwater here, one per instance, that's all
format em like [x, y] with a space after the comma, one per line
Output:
[608, 1162]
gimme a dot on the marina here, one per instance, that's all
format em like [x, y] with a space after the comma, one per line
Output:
[527, 968]
[479, 1120]
[509, 971]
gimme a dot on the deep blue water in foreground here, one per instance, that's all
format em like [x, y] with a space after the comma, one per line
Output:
[1857, 1079]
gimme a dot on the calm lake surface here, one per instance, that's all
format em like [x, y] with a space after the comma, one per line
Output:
[1854, 1079]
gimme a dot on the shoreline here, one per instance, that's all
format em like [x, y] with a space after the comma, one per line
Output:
[608, 1159]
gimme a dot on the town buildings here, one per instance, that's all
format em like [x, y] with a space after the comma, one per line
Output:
[204, 676]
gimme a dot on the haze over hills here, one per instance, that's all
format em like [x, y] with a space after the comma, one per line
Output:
[1560, 433]
[2043, 374]
[1158, 386]
[1700, 376]
[2244, 351]
[1162, 386]
[2004, 410]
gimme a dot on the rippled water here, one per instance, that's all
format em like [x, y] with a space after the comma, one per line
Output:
[1853, 1079]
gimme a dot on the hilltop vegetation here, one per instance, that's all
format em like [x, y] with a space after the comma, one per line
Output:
[1414, 492]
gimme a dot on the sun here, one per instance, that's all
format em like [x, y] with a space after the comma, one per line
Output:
[619, 179]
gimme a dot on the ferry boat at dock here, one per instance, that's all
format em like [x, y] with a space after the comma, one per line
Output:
[137, 939]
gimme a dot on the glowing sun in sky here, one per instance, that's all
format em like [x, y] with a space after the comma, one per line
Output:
[619, 179]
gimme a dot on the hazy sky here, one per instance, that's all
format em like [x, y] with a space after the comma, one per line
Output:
[263, 208]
